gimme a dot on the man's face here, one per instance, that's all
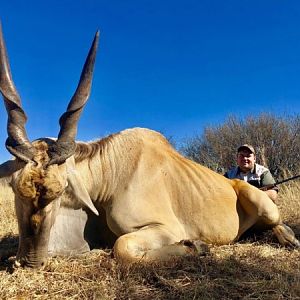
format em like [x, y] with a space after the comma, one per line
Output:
[245, 160]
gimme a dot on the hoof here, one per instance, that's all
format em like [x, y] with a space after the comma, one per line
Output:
[286, 236]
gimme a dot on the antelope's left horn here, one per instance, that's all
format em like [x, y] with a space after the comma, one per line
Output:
[17, 142]
[65, 144]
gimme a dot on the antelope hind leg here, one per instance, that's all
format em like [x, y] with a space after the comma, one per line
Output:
[260, 207]
[286, 236]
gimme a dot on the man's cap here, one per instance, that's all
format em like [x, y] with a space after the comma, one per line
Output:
[246, 147]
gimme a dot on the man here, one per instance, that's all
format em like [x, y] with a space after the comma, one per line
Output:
[248, 170]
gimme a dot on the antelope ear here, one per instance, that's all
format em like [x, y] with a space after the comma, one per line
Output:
[9, 167]
[78, 187]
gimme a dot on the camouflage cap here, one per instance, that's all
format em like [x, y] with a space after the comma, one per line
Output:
[246, 147]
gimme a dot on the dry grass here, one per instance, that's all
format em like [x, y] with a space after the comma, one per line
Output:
[8, 223]
[256, 268]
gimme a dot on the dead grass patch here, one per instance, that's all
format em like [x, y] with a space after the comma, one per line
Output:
[256, 268]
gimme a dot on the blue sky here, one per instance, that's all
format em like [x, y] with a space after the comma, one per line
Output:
[173, 66]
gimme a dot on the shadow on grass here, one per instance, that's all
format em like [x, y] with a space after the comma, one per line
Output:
[252, 269]
[245, 276]
[296, 229]
[255, 268]
[243, 271]
[8, 248]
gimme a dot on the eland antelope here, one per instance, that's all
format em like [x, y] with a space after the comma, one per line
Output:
[157, 203]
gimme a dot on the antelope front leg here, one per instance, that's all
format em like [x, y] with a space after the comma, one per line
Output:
[154, 244]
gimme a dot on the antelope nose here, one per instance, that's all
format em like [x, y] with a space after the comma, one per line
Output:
[34, 264]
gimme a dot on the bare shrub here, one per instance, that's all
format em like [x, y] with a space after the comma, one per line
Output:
[276, 140]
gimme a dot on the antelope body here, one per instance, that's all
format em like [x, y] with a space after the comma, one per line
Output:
[156, 202]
